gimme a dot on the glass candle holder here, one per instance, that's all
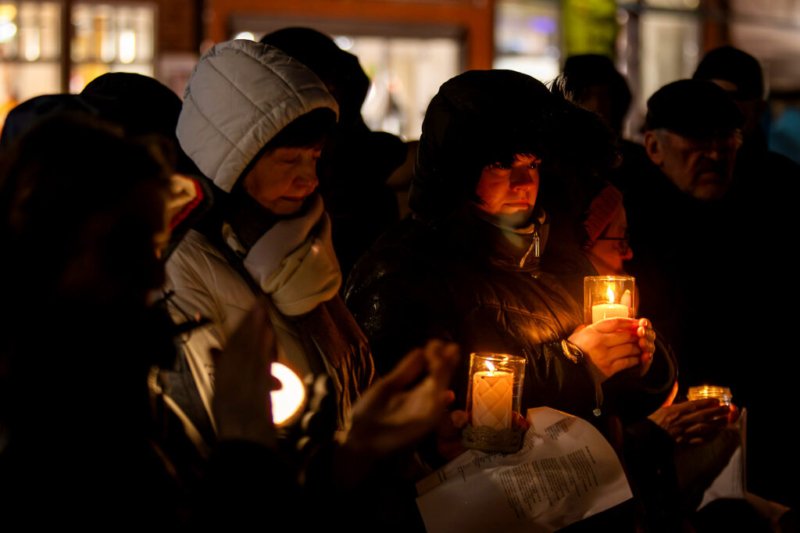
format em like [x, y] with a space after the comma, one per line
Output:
[608, 297]
[723, 394]
[494, 398]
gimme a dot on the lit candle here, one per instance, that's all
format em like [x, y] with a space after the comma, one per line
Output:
[290, 398]
[492, 398]
[723, 394]
[610, 309]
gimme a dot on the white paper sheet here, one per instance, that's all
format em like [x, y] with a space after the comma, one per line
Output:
[566, 471]
[730, 483]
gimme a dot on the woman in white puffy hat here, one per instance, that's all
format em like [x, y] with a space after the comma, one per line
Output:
[254, 121]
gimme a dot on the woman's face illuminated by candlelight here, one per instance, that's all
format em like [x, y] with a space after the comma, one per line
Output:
[509, 190]
[283, 178]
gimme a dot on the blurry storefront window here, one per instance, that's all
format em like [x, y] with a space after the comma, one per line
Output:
[106, 37]
[30, 34]
[659, 43]
[768, 31]
[590, 27]
[405, 64]
[673, 4]
[111, 38]
[527, 37]
[405, 73]
[669, 48]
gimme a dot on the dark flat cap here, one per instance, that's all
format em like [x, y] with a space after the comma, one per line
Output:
[692, 108]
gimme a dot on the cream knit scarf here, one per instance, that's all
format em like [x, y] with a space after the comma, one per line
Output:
[294, 262]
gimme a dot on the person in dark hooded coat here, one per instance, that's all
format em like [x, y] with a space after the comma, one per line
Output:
[465, 266]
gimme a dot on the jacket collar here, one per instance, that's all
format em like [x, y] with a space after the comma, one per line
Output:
[486, 240]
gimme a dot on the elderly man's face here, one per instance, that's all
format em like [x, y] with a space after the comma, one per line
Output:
[702, 168]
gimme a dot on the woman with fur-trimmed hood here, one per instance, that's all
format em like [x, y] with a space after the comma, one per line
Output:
[254, 121]
[466, 266]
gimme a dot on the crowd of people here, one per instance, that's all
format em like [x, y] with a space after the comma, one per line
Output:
[164, 255]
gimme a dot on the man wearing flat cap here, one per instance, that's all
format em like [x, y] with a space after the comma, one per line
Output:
[711, 263]
[766, 184]
[692, 133]
[684, 229]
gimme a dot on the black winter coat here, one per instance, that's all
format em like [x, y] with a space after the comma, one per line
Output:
[479, 285]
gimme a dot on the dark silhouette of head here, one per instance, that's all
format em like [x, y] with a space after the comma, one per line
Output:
[735, 66]
[741, 76]
[142, 106]
[28, 113]
[593, 82]
[339, 70]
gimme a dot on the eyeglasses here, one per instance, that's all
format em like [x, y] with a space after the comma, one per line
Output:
[725, 144]
[623, 243]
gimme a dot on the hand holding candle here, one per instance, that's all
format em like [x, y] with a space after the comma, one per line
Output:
[616, 344]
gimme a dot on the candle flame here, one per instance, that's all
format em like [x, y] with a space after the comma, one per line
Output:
[290, 398]
[610, 294]
[490, 367]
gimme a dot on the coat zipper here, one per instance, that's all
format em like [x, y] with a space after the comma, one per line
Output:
[534, 247]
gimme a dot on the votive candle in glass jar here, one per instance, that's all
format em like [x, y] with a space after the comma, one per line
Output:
[494, 397]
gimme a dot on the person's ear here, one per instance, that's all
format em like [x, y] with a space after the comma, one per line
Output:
[654, 147]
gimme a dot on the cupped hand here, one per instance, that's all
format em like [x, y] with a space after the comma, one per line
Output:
[693, 422]
[399, 409]
[613, 345]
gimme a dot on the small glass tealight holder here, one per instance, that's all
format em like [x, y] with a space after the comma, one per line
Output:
[494, 399]
[700, 392]
[608, 297]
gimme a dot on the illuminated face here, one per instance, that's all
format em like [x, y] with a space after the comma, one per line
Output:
[508, 191]
[283, 178]
[611, 249]
[702, 168]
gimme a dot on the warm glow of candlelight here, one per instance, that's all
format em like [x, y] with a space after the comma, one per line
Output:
[290, 398]
[610, 309]
[723, 394]
[492, 394]
[608, 297]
